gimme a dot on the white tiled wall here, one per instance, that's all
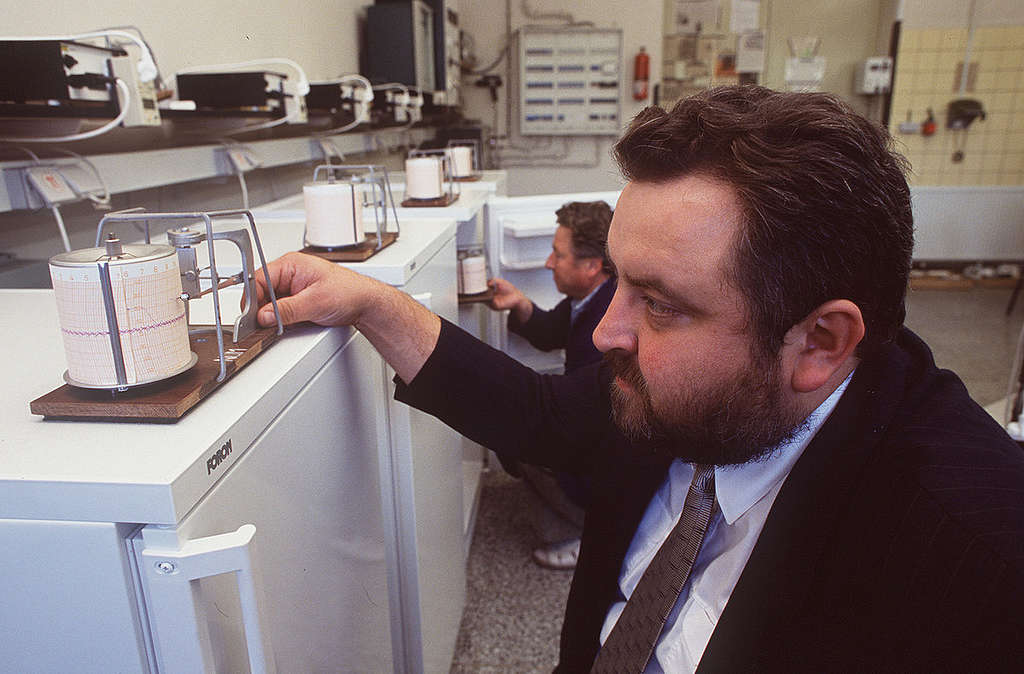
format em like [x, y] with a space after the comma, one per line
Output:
[926, 77]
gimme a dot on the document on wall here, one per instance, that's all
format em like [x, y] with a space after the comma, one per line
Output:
[805, 74]
[750, 53]
[696, 16]
[745, 16]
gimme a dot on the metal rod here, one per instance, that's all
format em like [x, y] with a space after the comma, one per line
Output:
[266, 274]
[115, 332]
[226, 283]
[356, 234]
[115, 217]
[215, 282]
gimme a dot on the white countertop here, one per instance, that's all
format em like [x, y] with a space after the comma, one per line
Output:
[155, 473]
[493, 181]
[469, 204]
[417, 242]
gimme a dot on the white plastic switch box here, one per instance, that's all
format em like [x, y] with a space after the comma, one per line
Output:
[873, 76]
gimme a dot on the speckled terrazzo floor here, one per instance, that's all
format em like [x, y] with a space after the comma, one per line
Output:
[514, 608]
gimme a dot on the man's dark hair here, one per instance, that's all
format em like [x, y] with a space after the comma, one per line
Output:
[825, 200]
[588, 221]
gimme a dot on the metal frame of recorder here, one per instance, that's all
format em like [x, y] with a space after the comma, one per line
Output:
[447, 174]
[184, 241]
[474, 146]
[377, 177]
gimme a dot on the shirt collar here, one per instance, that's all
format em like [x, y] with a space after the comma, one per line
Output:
[739, 487]
[577, 305]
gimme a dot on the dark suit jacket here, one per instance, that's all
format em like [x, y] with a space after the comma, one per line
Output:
[895, 544]
[547, 330]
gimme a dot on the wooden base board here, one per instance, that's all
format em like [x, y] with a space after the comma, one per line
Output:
[357, 253]
[446, 200]
[164, 401]
[467, 179]
[485, 296]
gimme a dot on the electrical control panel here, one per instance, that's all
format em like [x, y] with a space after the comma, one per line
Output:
[141, 99]
[570, 81]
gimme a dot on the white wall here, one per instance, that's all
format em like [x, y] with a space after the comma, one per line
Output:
[849, 31]
[486, 21]
[318, 34]
[947, 13]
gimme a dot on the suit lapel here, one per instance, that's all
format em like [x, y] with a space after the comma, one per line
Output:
[775, 582]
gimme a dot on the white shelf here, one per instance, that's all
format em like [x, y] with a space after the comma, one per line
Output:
[129, 171]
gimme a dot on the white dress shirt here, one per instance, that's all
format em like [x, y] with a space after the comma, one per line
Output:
[744, 495]
[576, 306]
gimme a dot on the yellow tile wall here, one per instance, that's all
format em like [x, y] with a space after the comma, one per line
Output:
[926, 66]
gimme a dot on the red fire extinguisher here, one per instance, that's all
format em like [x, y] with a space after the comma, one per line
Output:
[641, 75]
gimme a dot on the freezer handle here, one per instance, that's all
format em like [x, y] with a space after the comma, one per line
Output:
[522, 265]
[180, 634]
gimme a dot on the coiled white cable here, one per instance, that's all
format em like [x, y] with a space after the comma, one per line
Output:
[99, 201]
[61, 228]
[362, 103]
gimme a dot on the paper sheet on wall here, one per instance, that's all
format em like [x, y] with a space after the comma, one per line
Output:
[750, 53]
[696, 16]
[745, 16]
[805, 74]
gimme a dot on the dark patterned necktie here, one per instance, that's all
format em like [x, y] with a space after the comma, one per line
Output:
[631, 642]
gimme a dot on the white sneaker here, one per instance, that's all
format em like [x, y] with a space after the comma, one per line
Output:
[559, 556]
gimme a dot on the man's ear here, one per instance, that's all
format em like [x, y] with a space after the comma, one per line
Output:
[592, 265]
[822, 343]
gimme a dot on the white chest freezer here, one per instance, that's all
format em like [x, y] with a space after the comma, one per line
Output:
[356, 560]
[430, 488]
[251, 527]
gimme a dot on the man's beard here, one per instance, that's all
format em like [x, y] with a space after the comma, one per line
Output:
[735, 421]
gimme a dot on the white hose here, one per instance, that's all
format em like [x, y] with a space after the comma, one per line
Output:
[61, 228]
[88, 134]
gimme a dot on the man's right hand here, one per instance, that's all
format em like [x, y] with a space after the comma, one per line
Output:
[311, 289]
[507, 296]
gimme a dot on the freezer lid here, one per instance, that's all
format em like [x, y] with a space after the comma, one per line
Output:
[131, 472]
[469, 204]
[418, 242]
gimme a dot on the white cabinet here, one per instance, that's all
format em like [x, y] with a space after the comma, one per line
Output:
[430, 486]
[89, 508]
